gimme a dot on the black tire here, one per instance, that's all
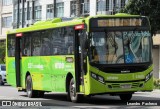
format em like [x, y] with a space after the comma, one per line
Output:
[72, 95]
[125, 97]
[29, 88]
[1, 82]
[40, 94]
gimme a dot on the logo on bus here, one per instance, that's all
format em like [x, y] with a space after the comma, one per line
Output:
[59, 65]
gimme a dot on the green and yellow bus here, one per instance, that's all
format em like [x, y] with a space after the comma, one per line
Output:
[103, 54]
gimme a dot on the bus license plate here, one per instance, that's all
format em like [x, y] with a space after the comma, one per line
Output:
[126, 86]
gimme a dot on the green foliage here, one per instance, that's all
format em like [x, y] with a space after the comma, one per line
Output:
[150, 8]
[156, 83]
[2, 52]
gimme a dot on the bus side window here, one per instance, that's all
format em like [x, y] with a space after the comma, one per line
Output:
[69, 34]
[11, 45]
[46, 45]
[27, 45]
[36, 43]
[54, 38]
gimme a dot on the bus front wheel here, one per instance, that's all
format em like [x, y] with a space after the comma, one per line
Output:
[125, 97]
[73, 96]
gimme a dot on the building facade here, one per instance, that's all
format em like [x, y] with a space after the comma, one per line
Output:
[27, 12]
[6, 10]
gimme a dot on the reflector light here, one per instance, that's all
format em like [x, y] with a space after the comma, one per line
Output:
[79, 27]
[19, 35]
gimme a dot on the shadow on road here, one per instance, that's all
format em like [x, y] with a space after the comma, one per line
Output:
[61, 99]
[94, 100]
[5, 85]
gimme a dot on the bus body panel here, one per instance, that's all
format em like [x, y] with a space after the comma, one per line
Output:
[48, 72]
[10, 68]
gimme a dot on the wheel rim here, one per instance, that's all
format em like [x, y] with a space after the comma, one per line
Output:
[72, 90]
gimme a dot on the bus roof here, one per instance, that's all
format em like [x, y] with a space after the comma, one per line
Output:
[57, 22]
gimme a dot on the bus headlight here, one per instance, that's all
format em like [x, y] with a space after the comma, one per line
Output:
[98, 78]
[148, 76]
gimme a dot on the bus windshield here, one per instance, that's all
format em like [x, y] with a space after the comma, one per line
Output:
[120, 47]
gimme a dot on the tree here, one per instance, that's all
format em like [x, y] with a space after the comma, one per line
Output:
[150, 8]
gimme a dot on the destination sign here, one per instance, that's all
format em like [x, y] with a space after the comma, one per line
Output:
[119, 22]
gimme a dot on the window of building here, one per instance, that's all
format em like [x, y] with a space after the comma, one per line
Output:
[114, 3]
[101, 5]
[25, 14]
[15, 18]
[60, 9]
[73, 8]
[15, 15]
[50, 11]
[7, 22]
[123, 3]
[85, 7]
[20, 16]
[6, 2]
[29, 13]
[38, 12]
[107, 5]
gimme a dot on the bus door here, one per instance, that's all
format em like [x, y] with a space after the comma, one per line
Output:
[80, 58]
[18, 55]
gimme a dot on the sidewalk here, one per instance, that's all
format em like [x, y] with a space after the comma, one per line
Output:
[156, 90]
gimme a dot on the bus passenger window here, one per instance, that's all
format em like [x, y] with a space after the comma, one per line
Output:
[36, 44]
[27, 45]
[11, 45]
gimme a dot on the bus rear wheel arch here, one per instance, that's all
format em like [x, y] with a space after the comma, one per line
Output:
[29, 88]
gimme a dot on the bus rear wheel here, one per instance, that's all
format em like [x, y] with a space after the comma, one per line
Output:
[73, 96]
[29, 88]
[125, 97]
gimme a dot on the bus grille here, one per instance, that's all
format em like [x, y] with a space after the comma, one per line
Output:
[118, 86]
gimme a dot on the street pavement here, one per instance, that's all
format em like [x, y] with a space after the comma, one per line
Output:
[147, 100]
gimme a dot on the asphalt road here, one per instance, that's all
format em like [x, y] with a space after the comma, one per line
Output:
[99, 101]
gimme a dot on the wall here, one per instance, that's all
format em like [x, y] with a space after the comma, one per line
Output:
[4, 12]
[155, 53]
